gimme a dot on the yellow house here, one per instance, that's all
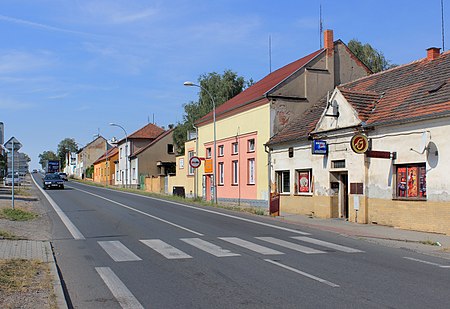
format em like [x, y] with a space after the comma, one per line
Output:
[104, 167]
[245, 123]
[185, 174]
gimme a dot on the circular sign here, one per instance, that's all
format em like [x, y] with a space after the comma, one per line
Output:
[195, 162]
[359, 143]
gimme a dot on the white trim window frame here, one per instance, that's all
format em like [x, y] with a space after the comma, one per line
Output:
[251, 171]
[221, 173]
[235, 172]
[283, 182]
[191, 170]
[235, 148]
[220, 151]
[251, 145]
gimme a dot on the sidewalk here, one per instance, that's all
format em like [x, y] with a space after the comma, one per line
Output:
[423, 242]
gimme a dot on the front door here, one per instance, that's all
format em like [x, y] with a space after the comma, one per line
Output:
[208, 187]
[344, 196]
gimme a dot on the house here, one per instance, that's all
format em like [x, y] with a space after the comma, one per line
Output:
[375, 151]
[104, 167]
[130, 145]
[185, 175]
[247, 121]
[87, 155]
[154, 160]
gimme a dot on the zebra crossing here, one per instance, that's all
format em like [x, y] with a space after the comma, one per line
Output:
[120, 253]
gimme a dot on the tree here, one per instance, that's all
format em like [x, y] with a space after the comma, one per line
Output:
[371, 57]
[64, 147]
[221, 87]
[45, 156]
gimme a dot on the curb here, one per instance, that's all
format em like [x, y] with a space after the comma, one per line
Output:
[57, 285]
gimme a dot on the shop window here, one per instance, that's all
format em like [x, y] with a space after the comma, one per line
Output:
[303, 181]
[283, 182]
[411, 181]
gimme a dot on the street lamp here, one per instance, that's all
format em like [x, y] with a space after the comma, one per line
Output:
[126, 151]
[191, 84]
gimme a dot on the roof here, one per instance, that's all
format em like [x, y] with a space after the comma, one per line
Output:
[301, 126]
[149, 131]
[110, 153]
[410, 92]
[158, 138]
[258, 90]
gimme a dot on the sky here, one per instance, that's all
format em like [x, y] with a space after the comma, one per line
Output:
[69, 68]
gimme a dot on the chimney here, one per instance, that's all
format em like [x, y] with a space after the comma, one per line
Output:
[433, 53]
[328, 41]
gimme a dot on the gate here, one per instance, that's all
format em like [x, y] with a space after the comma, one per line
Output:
[274, 208]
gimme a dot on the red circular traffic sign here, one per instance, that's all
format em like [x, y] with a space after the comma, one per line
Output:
[195, 162]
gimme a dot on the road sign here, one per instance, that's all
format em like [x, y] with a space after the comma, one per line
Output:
[195, 162]
[13, 141]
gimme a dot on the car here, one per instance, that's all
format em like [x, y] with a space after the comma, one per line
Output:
[8, 180]
[35, 171]
[63, 176]
[52, 181]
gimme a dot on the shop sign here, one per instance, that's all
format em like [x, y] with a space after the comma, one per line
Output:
[208, 166]
[319, 147]
[359, 143]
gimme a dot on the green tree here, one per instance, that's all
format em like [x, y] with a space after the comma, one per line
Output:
[371, 57]
[64, 147]
[45, 156]
[222, 87]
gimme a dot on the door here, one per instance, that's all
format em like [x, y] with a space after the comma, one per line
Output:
[208, 187]
[344, 196]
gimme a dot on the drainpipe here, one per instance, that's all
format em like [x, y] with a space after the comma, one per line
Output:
[268, 150]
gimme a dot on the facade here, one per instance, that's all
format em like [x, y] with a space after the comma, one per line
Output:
[104, 167]
[128, 147]
[185, 175]
[247, 121]
[87, 155]
[154, 160]
[387, 150]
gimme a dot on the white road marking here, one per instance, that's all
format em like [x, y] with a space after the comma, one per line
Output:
[118, 252]
[76, 234]
[165, 249]
[290, 245]
[141, 212]
[209, 211]
[327, 244]
[251, 246]
[125, 298]
[304, 274]
[209, 247]
[426, 262]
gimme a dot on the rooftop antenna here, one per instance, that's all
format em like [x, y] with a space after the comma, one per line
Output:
[442, 17]
[320, 25]
[270, 53]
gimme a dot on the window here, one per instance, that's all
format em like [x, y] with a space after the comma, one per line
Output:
[411, 181]
[235, 148]
[181, 163]
[338, 164]
[283, 182]
[208, 152]
[121, 153]
[221, 176]
[134, 173]
[251, 171]
[191, 169]
[170, 149]
[235, 173]
[303, 181]
[251, 145]
[221, 151]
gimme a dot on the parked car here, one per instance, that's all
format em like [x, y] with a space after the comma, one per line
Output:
[62, 175]
[8, 180]
[52, 181]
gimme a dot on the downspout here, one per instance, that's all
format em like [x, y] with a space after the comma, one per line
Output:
[268, 150]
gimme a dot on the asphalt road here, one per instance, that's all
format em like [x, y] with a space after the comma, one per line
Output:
[120, 250]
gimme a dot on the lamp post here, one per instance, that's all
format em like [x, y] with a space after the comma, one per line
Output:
[126, 152]
[191, 84]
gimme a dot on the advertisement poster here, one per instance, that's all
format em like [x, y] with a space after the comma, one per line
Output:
[423, 182]
[401, 181]
[303, 178]
[412, 182]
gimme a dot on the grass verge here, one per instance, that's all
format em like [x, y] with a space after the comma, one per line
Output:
[16, 214]
[8, 235]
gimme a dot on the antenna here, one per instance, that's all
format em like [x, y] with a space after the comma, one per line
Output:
[442, 17]
[320, 25]
[270, 53]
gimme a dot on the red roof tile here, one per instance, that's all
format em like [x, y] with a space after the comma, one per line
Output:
[420, 89]
[111, 152]
[149, 131]
[260, 88]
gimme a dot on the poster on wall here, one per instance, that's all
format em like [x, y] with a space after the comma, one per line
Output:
[412, 182]
[423, 182]
[401, 180]
[303, 178]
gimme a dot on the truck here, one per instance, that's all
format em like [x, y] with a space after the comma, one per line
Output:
[52, 166]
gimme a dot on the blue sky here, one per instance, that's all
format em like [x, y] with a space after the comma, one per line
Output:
[69, 68]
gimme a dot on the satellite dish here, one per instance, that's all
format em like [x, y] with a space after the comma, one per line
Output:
[432, 155]
[423, 142]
